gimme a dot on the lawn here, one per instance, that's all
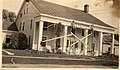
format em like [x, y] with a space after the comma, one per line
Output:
[93, 60]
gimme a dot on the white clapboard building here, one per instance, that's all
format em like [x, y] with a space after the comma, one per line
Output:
[52, 26]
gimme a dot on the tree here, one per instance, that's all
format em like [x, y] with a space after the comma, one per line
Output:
[12, 16]
[5, 14]
[8, 15]
[19, 41]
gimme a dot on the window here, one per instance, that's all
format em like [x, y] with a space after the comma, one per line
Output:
[24, 10]
[43, 43]
[94, 33]
[82, 32]
[7, 40]
[27, 8]
[31, 24]
[20, 26]
[23, 26]
[67, 43]
[108, 48]
[20, 14]
[29, 40]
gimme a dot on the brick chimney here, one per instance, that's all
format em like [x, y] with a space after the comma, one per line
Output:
[86, 8]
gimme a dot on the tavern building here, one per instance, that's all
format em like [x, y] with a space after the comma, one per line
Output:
[59, 27]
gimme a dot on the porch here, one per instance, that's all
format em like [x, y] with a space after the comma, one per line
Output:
[45, 35]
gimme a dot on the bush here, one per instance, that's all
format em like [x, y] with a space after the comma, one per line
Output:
[4, 46]
[19, 41]
[14, 40]
[53, 50]
[45, 50]
[59, 51]
[22, 41]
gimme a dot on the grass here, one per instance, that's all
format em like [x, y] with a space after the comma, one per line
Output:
[41, 54]
[103, 60]
[55, 61]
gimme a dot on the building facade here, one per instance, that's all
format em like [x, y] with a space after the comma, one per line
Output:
[50, 25]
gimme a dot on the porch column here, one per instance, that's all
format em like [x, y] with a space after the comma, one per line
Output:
[40, 35]
[33, 44]
[86, 41]
[65, 38]
[101, 42]
[112, 46]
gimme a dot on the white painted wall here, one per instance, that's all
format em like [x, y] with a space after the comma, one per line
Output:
[32, 12]
[3, 37]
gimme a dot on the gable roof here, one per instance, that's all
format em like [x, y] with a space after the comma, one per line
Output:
[6, 25]
[53, 9]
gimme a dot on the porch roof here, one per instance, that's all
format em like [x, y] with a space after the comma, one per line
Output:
[66, 12]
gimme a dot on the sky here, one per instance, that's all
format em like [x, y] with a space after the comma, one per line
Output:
[12, 5]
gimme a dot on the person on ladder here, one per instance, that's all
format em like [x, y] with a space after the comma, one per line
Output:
[73, 31]
[92, 44]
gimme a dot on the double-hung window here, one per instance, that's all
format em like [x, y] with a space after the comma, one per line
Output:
[23, 28]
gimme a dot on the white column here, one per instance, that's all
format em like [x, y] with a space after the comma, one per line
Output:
[86, 41]
[40, 35]
[65, 38]
[101, 43]
[112, 47]
[33, 45]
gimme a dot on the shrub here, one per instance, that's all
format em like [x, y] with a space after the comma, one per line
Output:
[4, 46]
[14, 40]
[45, 50]
[53, 50]
[59, 51]
[19, 41]
[22, 41]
